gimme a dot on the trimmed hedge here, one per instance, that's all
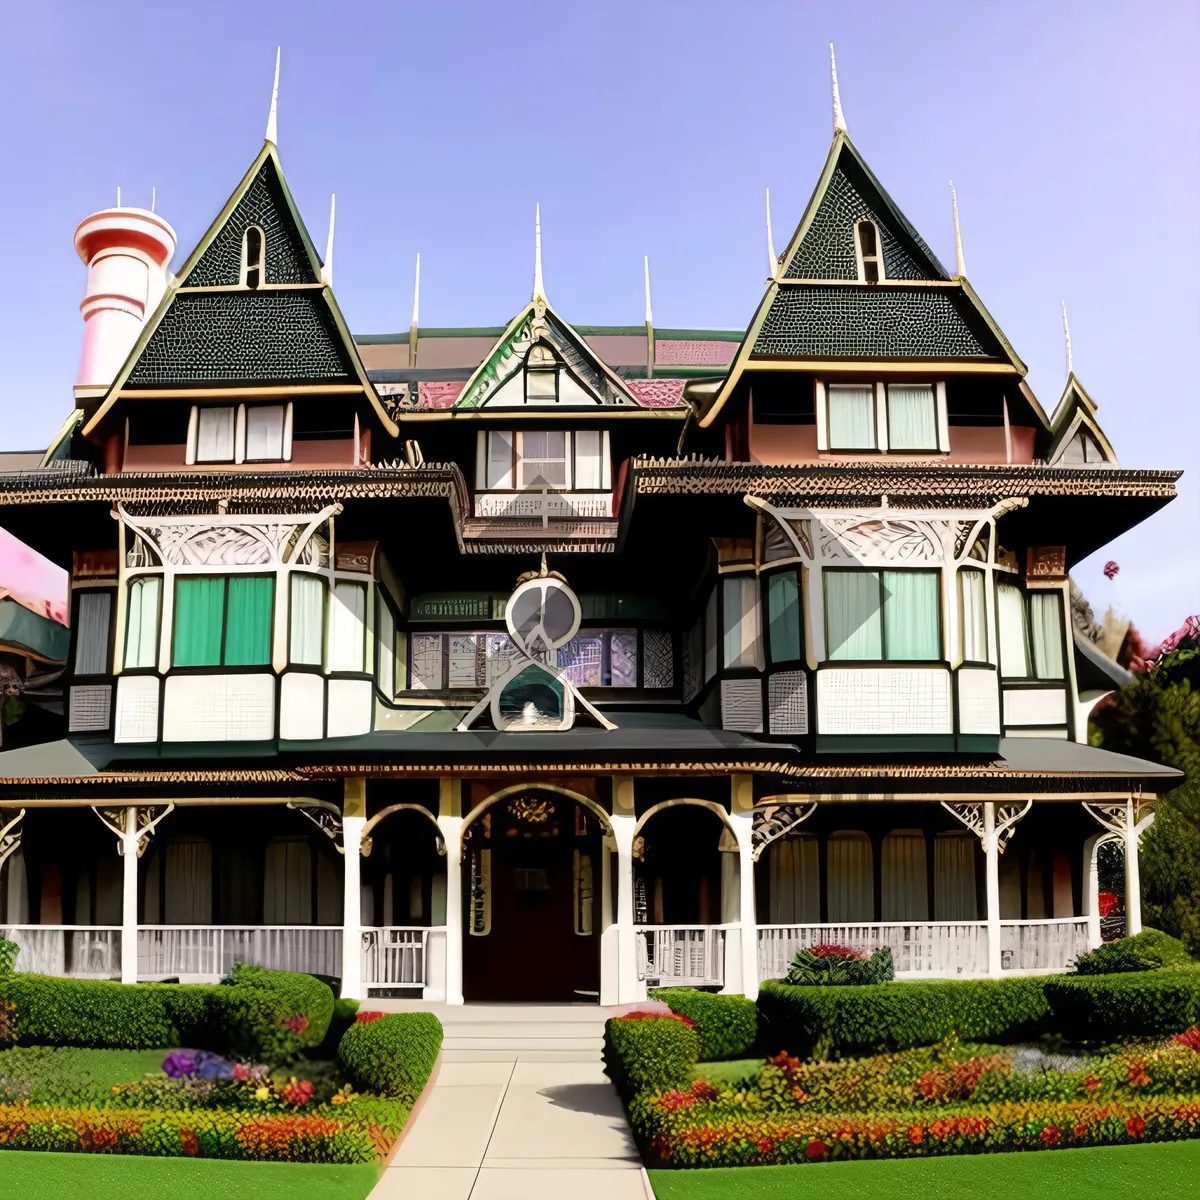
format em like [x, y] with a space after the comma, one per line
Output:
[727, 1025]
[1145, 951]
[392, 1054]
[839, 1022]
[649, 1052]
[303, 996]
[839, 966]
[1104, 1008]
[8, 957]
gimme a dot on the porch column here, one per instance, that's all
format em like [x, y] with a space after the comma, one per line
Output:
[354, 819]
[624, 820]
[991, 849]
[741, 817]
[1133, 875]
[450, 823]
[129, 896]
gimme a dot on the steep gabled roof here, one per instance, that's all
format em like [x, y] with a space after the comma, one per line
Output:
[211, 331]
[1075, 416]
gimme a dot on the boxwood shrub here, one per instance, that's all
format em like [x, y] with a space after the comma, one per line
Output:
[308, 1002]
[727, 1025]
[1105, 1008]
[840, 1022]
[391, 1053]
[8, 957]
[649, 1052]
[1145, 951]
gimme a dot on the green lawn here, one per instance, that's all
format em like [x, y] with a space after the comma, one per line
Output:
[26, 1174]
[1161, 1171]
[58, 1072]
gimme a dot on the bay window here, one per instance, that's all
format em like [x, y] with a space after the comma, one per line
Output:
[223, 620]
[892, 616]
[972, 616]
[1031, 633]
[851, 409]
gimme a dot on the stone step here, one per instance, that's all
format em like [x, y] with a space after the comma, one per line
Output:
[508, 1041]
[500, 1054]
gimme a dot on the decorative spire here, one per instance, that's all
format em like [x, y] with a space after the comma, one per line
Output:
[960, 263]
[327, 268]
[153, 198]
[1067, 339]
[118, 195]
[539, 288]
[416, 317]
[649, 310]
[650, 355]
[272, 118]
[839, 118]
[772, 260]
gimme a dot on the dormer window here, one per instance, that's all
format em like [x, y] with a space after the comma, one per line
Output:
[254, 264]
[541, 376]
[870, 256]
[533, 459]
[240, 433]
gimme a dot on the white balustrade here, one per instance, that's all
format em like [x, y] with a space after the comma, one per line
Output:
[74, 951]
[210, 951]
[926, 948]
[669, 955]
[394, 957]
[1040, 946]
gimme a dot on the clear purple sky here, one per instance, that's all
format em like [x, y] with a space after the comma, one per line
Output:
[1072, 131]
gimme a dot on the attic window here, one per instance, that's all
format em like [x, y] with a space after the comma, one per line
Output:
[253, 264]
[541, 376]
[870, 257]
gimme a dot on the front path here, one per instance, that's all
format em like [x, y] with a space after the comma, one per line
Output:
[517, 1130]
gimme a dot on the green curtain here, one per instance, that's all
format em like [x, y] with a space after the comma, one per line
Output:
[910, 616]
[783, 616]
[248, 629]
[854, 629]
[1045, 629]
[199, 618]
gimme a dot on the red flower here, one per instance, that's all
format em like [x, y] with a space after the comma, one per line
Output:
[1135, 1126]
[297, 1091]
[191, 1146]
[831, 950]
[1137, 1073]
[816, 1149]
[1111, 570]
[241, 1072]
[916, 1135]
[1092, 1082]
[298, 1023]
[765, 1146]
[1051, 1135]
[1189, 1038]
[1081, 1130]
[365, 1018]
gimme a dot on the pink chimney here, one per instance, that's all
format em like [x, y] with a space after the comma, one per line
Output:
[127, 251]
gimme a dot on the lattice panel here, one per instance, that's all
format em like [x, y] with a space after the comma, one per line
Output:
[219, 708]
[658, 659]
[741, 705]
[978, 701]
[787, 702]
[137, 709]
[90, 707]
[884, 700]
[865, 322]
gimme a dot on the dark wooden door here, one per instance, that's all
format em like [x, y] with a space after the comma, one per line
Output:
[531, 903]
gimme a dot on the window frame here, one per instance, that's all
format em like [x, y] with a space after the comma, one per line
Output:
[284, 422]
[883, 658]
[259, 267]
[133, 580]
[293, 662]
[878, 444]
[891, 448]
[961, 571]
[367, 660]
[223, 667]
[77, 597]
[203, 410]
[552, 368]
[522, 458]
[765, 581]
[862, 258]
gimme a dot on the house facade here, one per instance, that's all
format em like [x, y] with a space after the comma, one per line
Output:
[553, 662]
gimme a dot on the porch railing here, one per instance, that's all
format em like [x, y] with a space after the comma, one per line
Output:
[212, 950]
[1048, 945]
[932, 948]
[678, 954]
[75, 951]
[394, 956]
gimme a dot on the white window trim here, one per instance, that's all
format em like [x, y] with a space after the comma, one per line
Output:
[568, 462]
[192, 453]
[823, 429]
[246, 266]
[881, 418]
[821, 406]
[882, 433]
[876, 257]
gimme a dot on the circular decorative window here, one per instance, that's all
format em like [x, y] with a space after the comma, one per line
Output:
[542, 614]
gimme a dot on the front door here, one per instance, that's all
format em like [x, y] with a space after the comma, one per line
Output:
[531, 904]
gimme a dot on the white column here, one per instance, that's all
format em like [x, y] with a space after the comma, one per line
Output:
[129, 897]
[1133, 876]
[742, 819]
[1091, 891]
[629, 987]
[992, 851]
[352, 952]
[450, 822]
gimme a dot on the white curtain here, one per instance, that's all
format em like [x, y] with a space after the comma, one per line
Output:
[904, 877]
[743, 631]
[851, 877]
[972, 605]
[912, 417]
[215, 435]
[1045, 628]
[795, 881]
[16, 907]
[347, 623]
[264, 432]
[387, 651]
[307, 618]
[141, 634]
[587, 458]
[851, 417]
[854, 621]
[187, 888]
[911, 624]
[91, 640]
[954, 896]
[287, 883]
[1010, 619]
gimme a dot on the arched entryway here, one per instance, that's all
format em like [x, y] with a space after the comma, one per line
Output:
[532, 877]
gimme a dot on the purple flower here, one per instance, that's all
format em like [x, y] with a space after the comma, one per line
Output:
[179, 1064]
[213, 1067]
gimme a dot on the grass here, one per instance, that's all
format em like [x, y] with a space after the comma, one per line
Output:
[1161, 1170]
[26, 1173]
[62, 1072]
[733, 1072]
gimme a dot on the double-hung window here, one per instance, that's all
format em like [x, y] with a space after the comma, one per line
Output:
[883, 615]
[241, 433]
[215, 435]
[543, 459]
[972, 615]
[348, 627]
[870, 255]
[1031, 633]
[223, 620]
[851, 409]
[141, 624]
[912, 416]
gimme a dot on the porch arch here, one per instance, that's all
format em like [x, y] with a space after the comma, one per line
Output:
[676, 802]
[366, 841]
[596, 809]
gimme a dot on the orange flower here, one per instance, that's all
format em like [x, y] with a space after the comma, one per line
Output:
[1081, 1130]
[191, 1145]
[916, 1135]
[1092, 1082]
[1135, 1126]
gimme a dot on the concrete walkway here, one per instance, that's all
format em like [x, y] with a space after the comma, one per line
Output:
[517, 1130]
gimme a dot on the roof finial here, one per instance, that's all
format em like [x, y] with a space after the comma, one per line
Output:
[839, 118]
[539, 288]
[153, 198]
[416, 316]
[960, 263]
[772, 260]
[272, 120]
[1067, 339]
[650, 351]
[649, 310]
[118, 195]
[327, 268]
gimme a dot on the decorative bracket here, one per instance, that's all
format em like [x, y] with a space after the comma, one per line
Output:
[775, 821]
[10, 837]
[325, 816]
[145, 819]
[1115, 818]
[971, 815]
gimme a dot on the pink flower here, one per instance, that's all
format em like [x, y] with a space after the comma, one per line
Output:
[365, 1018]
[241, 1072]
